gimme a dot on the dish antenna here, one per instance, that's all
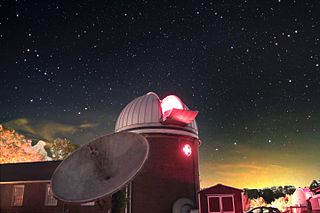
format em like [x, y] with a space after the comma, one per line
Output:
[100, 168]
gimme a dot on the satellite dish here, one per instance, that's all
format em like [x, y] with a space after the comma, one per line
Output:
[183, 205]
[100, 168]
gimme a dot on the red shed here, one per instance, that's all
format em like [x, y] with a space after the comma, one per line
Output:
[220, 198]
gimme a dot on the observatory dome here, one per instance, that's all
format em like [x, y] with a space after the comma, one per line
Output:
[144, 115]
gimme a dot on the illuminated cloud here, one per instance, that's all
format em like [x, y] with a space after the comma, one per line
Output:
[88, 125]
[51, 131]
[21, 124]
[47, 130]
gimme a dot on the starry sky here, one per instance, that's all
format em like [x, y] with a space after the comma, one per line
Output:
[251, 69]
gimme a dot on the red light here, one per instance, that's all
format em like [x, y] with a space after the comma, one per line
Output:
[170, 102]
[187, 150]
[174, 112]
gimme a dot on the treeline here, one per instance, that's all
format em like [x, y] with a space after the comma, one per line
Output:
[16, 148]
[269, 194]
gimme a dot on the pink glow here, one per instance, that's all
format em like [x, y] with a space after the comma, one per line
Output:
[187, 150]
[170, 102]
[180, 116]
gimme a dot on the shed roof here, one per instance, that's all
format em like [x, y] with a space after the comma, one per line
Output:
[143, 115]
[219, 186]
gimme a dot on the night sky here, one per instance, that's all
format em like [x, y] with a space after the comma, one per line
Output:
[251, 69]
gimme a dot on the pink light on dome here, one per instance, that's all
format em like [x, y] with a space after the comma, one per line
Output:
[170, 102]
[174, 112]
[187, 150]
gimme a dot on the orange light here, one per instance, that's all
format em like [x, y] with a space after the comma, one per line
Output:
[170, 102]
[187, 150]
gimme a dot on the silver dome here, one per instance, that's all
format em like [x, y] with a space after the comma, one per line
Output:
[143, 115]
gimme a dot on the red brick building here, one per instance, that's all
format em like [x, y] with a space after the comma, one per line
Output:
[25, 187]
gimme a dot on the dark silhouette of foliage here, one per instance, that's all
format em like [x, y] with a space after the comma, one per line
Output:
[251, 193]
[119, 201]
[289, 190]
[268, 195]
[278, 192]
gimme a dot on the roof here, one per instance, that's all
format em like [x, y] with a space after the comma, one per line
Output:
[220, 186]
[143, 115]
[25, 172]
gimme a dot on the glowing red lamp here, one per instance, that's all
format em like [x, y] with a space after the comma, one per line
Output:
[174, 111]
[187, 150]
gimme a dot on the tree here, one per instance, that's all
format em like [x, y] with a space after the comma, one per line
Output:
[252, 193]
[282, 203]
[289, 189]
[15, 148]
[246, 202]
[278, 192]
[257, 202]
[61, 148]
[268, 195]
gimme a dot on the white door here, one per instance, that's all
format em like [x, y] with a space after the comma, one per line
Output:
[220, 203]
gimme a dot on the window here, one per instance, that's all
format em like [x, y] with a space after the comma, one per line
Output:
[227, 204]
[50, 200]
[17, 195]
[220, 203]
[214, 204]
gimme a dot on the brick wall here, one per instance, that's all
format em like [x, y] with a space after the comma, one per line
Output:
[167, 175]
